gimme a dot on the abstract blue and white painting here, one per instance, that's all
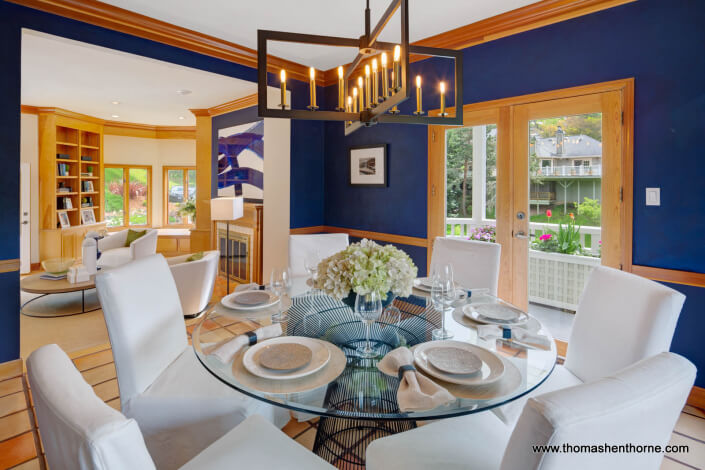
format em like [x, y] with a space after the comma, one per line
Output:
[241, 161]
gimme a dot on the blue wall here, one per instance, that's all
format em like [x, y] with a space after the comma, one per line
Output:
[659, 43]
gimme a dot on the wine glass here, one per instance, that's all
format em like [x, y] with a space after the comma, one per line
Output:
[279, 284]
[368, 307]
[442, 295]
[311, 261]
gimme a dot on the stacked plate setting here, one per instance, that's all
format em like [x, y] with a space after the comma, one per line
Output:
[459, 363]
[286, 357]
[501, 314]
[250, 300]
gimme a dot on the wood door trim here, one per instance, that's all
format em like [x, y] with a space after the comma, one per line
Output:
[379, 236]
[675, 276]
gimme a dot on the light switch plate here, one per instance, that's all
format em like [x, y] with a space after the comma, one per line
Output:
[653, 196]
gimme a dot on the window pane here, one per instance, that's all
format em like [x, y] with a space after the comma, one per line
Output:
[491, 171]
[175, 188]
[114, 200]
[459, 172]
[139, 196]
[191, 192]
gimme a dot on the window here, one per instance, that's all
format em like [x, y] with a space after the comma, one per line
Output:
[127, 202]
[179, 195]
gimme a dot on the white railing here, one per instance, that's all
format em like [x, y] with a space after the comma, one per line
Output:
[568, 170]
[589, 236]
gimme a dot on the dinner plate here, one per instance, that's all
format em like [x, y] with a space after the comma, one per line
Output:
[230, 301]
[320, 355]
[492, 366]
[476, 312]
[423, 283]
[454, 360]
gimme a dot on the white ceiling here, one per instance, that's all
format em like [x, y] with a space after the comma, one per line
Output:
[84, 78]
[238, 20]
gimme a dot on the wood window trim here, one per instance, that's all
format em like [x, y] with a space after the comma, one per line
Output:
[165, 193]
[127, 199]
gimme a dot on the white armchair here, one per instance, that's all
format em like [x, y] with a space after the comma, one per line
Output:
[638, 405]
[80, 432]
[114, 253]
[194, 280]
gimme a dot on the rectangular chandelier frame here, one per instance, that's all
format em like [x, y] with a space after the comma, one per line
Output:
[368, 41]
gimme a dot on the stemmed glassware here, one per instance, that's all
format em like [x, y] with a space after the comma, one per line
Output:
[311, 261]
[368, 307]
[279, 284]
[442, 295]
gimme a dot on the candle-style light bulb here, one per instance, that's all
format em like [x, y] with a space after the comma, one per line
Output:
[348, 108]
[397, 68]
[341, 89]
[368, 90]
[354, 106]
[312, 89]
[443, 99]
[375, 83]
[282, 77]
[385, 78]
[361, 92]
[419, 111]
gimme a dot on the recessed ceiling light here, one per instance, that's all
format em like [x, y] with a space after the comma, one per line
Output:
[183, 92]
[115, 102]
[115, 116]
[182, 118]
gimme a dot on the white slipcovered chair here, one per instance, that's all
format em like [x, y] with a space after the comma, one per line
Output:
[638, 405]
[326, 244]
[80, 432]
[622, 318]
[475, 263]
[114, 253]
[194, 280]
[180, 407]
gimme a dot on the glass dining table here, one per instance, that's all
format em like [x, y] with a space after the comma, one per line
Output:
[356, 402]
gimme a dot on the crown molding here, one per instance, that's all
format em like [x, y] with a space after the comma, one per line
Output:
[125, 21]
[25, 109]
[234, 105]
[533, 16]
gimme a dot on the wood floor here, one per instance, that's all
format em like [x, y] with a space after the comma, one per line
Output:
[20, 445]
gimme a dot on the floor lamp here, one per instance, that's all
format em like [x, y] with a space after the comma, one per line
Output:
[227, 209]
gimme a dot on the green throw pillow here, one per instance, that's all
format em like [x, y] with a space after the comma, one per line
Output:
[133, 235]
[195, 256]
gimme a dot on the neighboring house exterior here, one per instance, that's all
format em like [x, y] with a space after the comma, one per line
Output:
[570, 169]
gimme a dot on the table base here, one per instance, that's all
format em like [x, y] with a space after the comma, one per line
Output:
[68, 303]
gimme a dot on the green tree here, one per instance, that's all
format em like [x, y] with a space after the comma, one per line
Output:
[459, 172]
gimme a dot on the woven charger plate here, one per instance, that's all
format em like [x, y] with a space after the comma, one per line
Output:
[323, 377]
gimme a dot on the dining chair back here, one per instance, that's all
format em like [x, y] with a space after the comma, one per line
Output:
[79, 431]
[621, 319]
[475, 263]
[326, 244]
[145, 321]
[638, 406]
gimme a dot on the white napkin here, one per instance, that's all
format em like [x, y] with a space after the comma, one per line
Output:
[416, 392]
[518, 333]
[227, 351]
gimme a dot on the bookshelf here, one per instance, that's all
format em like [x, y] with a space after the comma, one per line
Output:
[70, 178]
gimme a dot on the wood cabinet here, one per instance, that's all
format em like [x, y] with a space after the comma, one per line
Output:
[66, 242]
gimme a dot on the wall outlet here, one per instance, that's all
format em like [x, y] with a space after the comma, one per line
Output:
[653, 196]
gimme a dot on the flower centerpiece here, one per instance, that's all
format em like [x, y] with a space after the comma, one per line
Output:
[366, 267]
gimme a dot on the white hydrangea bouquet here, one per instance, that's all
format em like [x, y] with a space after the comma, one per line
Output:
[366, 267]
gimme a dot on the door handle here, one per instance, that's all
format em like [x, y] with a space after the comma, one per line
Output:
[521, 235]
[25, 222]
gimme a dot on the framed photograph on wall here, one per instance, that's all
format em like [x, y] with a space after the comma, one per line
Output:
[368, 166]
[87, 216]
[64, 219]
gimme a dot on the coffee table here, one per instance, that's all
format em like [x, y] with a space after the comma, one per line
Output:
[65, 305]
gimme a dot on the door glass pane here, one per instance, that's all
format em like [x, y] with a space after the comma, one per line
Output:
[114, 197]
[490, 132]
[458, 178]
[565, 186]
[139, 196]
[191, 192]
[175, 191]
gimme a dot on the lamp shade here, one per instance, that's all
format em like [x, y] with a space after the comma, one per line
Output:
[226, 208]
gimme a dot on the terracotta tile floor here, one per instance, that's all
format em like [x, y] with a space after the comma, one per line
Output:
[20, 445]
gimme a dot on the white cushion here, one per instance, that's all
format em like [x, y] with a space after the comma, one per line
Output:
[194, 280]
[468, 442]
[187, 408]
[560, 378]
[326, 244]
[639, 405]
[621, 319]
[114, 258]
[79, 431]
[475, 263]
[256, 444]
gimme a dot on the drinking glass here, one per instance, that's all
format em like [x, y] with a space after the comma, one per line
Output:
[279, 284]
[368, 307]
[311, 261]
[442, 295]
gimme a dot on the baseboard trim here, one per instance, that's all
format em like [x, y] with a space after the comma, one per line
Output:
[379, 236]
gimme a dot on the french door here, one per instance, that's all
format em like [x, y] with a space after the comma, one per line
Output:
[554, 179]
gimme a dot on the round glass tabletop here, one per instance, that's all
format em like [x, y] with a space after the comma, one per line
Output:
[349, 386]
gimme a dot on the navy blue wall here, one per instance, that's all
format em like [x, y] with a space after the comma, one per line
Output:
[660, 44]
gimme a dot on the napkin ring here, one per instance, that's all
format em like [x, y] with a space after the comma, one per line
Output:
[402, 369]
[252, 336]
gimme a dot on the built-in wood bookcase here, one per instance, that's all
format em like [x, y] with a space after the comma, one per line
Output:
[70, 178]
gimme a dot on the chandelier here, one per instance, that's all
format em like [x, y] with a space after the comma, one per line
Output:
[372, 86]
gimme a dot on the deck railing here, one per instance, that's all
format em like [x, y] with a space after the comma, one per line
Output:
[569, 170]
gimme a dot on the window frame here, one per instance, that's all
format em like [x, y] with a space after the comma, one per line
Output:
[126, 200]
[165, 193]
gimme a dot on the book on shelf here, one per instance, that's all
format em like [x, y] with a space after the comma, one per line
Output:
[86, 158]
[67, 203]
[63, 169]
[52, 277]
[63, 189]
[64, 156]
